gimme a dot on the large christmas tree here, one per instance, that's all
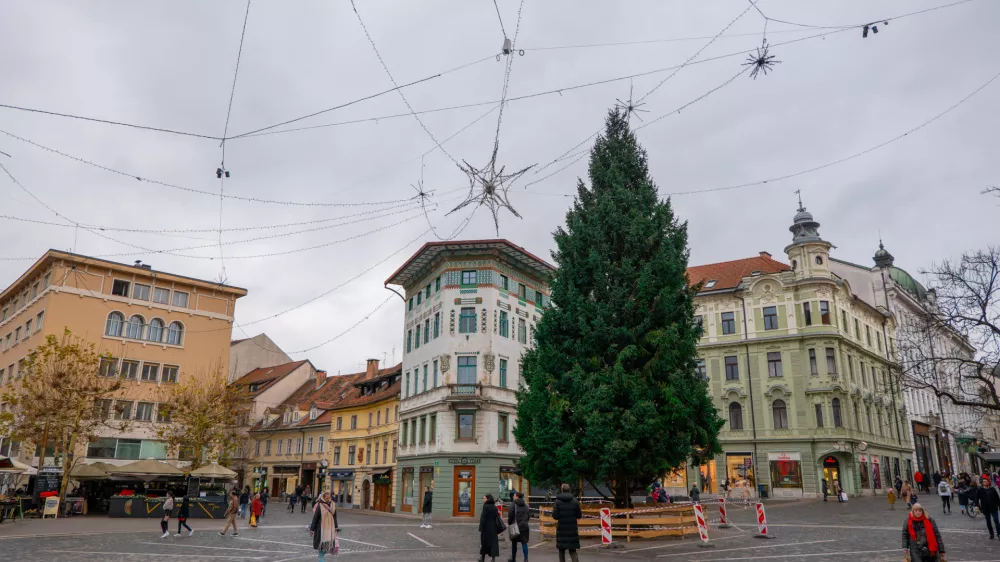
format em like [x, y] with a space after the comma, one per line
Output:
[612, 396]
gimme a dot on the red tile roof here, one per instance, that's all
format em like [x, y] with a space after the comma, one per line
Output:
[728, 274]
[264, 377]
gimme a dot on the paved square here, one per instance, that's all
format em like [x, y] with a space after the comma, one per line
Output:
[862, 529]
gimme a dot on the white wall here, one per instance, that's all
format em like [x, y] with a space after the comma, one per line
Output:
[254, 353]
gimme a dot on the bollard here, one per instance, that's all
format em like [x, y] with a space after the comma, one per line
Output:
[699, 516]
[606, 541]
[762, 523]
[724, 523]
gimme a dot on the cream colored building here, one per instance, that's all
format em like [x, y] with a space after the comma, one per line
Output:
[159, 328]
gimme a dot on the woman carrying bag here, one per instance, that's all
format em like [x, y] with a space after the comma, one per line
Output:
[490, 525]
[517, 518]
[256, 508]
[182, 517]
[323, 528]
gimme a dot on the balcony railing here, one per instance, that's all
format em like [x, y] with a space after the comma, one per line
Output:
[465, 389]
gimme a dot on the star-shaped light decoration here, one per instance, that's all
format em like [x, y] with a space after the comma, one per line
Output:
[422, 195]
[761, 62]
[631, 107]
[488, 186]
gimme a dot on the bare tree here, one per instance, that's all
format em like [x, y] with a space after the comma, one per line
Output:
[964, 307]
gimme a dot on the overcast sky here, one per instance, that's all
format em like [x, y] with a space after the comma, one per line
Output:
[170, 65]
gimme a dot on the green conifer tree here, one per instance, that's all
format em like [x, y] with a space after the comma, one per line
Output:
[611, 394]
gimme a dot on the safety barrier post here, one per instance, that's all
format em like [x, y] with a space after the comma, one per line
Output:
[699, 516]
[762, 523]
[724, 522]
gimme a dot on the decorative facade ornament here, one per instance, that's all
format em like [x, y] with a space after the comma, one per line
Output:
[768, 295]
[495, 321]
[451, 323]
[445, 363]
[489, 361]
[482, 322]
[823, 291]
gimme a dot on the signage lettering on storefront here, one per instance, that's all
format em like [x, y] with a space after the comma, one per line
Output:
[464, 461]
[784, 457]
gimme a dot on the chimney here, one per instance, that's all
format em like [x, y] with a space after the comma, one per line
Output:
[320, 378]
[372, 367]
[765, 255]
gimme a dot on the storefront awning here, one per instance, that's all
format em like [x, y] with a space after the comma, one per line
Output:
[991, 457]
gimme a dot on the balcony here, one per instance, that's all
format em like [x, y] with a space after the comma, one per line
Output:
[464, 394]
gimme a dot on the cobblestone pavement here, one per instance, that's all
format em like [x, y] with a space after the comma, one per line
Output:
[863, 529]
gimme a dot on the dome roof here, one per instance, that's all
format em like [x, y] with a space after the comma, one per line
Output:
[907, 282]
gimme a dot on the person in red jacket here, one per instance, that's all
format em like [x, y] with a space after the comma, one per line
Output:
[256, 508]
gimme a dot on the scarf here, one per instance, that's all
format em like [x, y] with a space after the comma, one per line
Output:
[327, 530]
[932, 544]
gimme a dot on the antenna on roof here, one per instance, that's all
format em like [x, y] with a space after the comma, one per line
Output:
[799, 193]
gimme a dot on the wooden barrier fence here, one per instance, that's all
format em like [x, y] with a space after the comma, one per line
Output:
[639, 522]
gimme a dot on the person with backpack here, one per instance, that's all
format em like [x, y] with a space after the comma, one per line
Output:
[182, 517]
[944, 490]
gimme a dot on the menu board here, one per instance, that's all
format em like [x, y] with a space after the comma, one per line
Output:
[194, 487]
[48, 480]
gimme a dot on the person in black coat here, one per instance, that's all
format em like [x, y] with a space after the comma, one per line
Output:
[566, 511]
[518, 514]
[489, 529]
[989, 503]
[425, 521]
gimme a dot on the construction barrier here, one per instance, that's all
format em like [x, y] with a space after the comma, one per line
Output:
[670, 521]
[723, 521]
[699, 515]
[761, 523]
[605, 526]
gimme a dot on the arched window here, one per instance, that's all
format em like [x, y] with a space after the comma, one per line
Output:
[780, 413]
[837, 419]
[114, 326]
[819, 260]
[735, 416]
[175, 333]
[155, 330]
[134, 327]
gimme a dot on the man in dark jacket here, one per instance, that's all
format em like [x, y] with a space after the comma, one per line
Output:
[518, 514]
[566, 511]
[425, 512]
[989, 503]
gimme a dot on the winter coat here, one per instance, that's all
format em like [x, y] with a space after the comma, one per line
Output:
[185, 511]
[256, 507]
[244, 498]
[428, 497]
[566, 511]
[695, 494]
[168, 506]
[316, 525]
[519, 512]
[943, 490]
[489, 528]
[914, 545]
[988, 499]
[234, 505]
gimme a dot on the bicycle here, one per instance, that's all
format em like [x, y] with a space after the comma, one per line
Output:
[972, 510]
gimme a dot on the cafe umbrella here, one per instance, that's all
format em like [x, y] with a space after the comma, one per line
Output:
[214, 470]
[148, 470]
[83, 472]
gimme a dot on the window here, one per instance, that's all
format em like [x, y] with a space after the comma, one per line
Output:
[437, 283]
[868, 335]
[467, 320]
[288, 449]
[807, 313]
[3, 315]
[466, 370]
[409, 304]
[522, 291]
[267, 448]
[134, 327]
[150, 372]
[837, 420]
[155, 332]
[256, 449]
[503, 373]
[831, 361]
[433, 429]
[700, 370]
[728, 322]
[107, 368]
[45, 281]
[27, 329]
[17, 335]
[819, 415]
[336, 456]
[427, 292]
[180, 299]
[413, 432]
[770, 318]
[405, 433]
[369, 419]
[710, 284]
[175, 333]
[522, 331]
[735, 416]
[420, 297]
[878, 337]
[140, 292]
[732, 368]
[857, 330]
[437, 324]
[502, 421]
[163, 413]
[469, 277]
[780, 414]
[102, 409]
[813, 368]
[169, 374]
[434, 377]
[850, 367]
[354, 421]
[539, 299]
[418, 337]
[504, 283]
[34, 291]
[843, 321]
[123, 410]
[409, 341]
[819, 260]
[504, 324]
[322, 443]
[774, 363]
[425, 378]
[407, 389]
[119, 288]
[113, 327]
[298, 445]
[161, 296]
[130, 369]
[868, 415]
[423, 429]
[281, 446]
[824, 312]
[427, 330]
[394, 448]
[395, 414]
[466, 426]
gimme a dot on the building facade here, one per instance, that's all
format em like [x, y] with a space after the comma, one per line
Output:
[249, 354]
[159, 328]
[946, 437]
[471, 308]
[799, 368]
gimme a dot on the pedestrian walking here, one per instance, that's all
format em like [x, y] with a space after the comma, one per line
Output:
[963, 495]
[944, 490]
[231, 511]
[989, 503]
[907, 494]
[921, 537]
[182, 517]
[425, 509]
[264, 497]
[168, 508]
[899, 486]
[490, 527]
[518, 515]
[323, 528]
[256, 509]
[694, 493]
[244, 502]
[306, 493]
[841, 496]
[892, 499]
[566, 511]
[826, 489]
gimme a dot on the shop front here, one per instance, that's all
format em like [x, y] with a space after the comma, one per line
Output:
[458, 483]
[342, 487]
[308, 477]
[382, 483]
[511, 481]
[676, 482]
[284, 478]
[923, 448]
[786, 474]
[739, 471]
[831, 474]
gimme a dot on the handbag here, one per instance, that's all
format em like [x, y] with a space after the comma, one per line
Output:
[500, 524]
[253, 520]
[514, 531]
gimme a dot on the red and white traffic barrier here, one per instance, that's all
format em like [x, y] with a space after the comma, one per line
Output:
[762, 523]
[723, 521]
[699, 516]
[605, 526]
